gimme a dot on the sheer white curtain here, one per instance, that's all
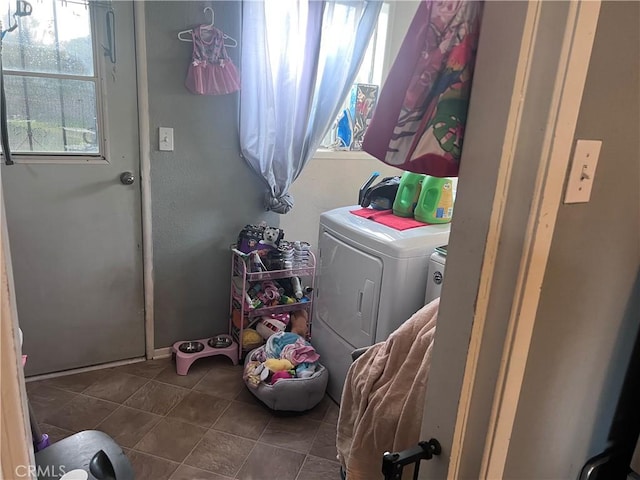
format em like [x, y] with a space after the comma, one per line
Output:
[299, 60]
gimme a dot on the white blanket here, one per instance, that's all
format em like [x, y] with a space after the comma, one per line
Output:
[384, 395]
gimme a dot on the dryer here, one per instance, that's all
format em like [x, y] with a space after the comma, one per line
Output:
[370, 279]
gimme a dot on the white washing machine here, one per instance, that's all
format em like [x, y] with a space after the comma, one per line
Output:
[435, 278]
[370, 279]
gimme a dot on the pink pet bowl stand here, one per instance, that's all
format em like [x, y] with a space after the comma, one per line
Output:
[188, 352]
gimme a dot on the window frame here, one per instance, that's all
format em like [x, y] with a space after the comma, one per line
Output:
[98, 79]
[325, 153]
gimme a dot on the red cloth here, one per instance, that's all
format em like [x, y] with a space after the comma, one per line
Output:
[386, 217]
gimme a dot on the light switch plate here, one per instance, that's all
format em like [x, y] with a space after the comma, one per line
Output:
[583, 171]
[165, 139]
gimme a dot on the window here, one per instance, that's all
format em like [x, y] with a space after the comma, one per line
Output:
[51, 81]
[370, 78]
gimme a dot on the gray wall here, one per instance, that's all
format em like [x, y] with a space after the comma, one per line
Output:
[590, 304]
[203, 193]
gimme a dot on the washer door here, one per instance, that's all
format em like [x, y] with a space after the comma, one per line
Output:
[348, 292]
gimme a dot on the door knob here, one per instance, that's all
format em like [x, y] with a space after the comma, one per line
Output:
[127, 178]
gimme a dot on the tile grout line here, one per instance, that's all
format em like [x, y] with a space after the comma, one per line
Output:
[324, 459]
[204, 469]
[255, 442]
[74, 398]
[306, 457]
[235, 476]
[158, 456]
[120, 404]
[155, 456]
[166, 415]
[304, 462]
[315, 437]
[287, 448]
[306, 454]
[59, 407]
[201, 438]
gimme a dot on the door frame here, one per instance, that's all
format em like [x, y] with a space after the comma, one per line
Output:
[570, 80]
[501, 239]
[144, 135]
[16, 452]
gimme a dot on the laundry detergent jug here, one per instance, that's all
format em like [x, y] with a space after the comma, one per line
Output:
[435, 204]
[408, 194]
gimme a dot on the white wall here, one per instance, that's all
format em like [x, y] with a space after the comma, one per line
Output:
[328, 183]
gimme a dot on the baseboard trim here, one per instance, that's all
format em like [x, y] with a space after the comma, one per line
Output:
[162, 353]
[158, 353]
[92, 368]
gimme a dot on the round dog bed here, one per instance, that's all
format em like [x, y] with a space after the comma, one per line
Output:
[291, 394]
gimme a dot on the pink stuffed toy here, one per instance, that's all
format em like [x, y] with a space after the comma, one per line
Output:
[280, 375]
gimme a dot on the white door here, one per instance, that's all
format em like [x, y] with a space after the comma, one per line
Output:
[73, 195]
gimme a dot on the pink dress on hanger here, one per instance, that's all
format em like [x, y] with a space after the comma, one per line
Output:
[211, 71]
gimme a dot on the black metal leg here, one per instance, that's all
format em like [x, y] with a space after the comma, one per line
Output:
[394, 463]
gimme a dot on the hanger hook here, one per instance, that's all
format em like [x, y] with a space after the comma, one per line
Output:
[209, 9]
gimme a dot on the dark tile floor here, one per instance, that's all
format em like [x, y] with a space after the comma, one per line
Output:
[203, 426]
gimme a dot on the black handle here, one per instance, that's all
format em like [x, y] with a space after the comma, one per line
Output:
[394, 463]
[101, 467]
[4, 128]
[365, 185]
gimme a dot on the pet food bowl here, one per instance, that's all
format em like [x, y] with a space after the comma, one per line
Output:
[188, 352]
[191, 347]
[219, 341]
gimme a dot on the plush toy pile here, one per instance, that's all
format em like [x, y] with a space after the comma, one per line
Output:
[295, 322]
[265, 249]
[285, 355]
[271, 293]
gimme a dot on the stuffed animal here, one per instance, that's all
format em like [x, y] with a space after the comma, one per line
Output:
[299, 322]
[280, 376]
[252, 373]
[251, 339]
[278, 365]
[269, 293]
[272, 236]
[305, 370]
[268, 326]
[249, 238]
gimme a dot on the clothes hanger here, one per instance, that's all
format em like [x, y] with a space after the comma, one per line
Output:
[181, 35]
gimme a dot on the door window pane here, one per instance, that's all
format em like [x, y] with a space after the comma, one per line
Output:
[51, 109]
[55, 38]
[52, 115]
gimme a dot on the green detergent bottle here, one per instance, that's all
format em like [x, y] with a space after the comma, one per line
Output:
[435, 204]
[408, 194]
